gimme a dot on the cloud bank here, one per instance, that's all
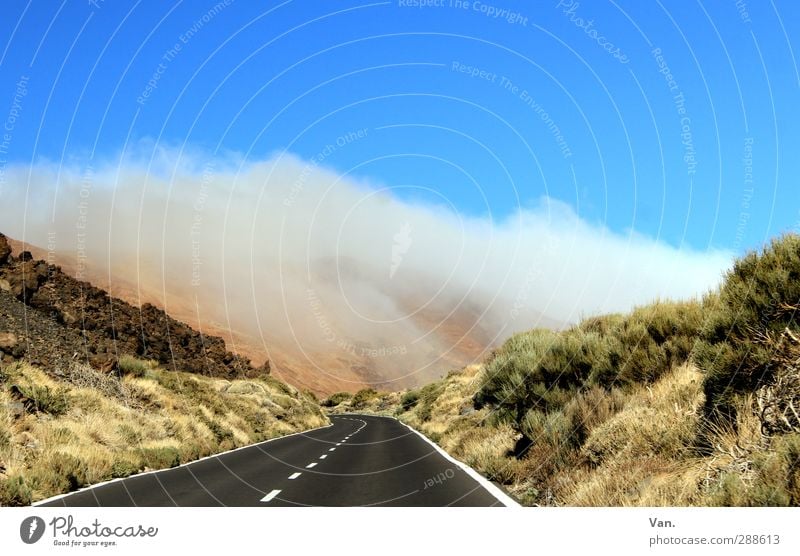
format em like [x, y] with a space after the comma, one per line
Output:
[332, 276]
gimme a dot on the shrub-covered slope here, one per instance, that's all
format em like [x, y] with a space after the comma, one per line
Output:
[75, 426]
[694, 403]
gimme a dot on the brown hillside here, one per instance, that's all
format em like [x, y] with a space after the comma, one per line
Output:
[45, 316]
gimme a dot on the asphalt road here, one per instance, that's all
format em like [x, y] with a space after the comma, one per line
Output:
[358, 461]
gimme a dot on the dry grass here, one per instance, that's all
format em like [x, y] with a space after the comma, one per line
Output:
[638, 447]
[106, 428]
[644, 455]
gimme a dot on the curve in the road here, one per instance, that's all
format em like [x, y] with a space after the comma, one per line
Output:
[359, 460]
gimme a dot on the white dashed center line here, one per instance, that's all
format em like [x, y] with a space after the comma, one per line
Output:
[310, 465]
[271, 495]
[331, 450]
[338, 443]
[294, 476]
[323, 456]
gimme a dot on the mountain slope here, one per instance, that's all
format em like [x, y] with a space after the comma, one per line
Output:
[96, 328]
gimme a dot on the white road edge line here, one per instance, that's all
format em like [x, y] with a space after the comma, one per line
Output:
[504, 498]
[310, 465]
[271, 495]
[143, 473]
[293, 476]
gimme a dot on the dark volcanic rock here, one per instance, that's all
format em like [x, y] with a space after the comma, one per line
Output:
[5, 249]
[56, 317]
[40, 340]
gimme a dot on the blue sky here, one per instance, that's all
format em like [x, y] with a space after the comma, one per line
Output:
[706, 159]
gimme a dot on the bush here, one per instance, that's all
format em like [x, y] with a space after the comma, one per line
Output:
[549, 429]
[131, 435]
[279, 386]
[515, 375]
[310, 396]
[336, 399]
[161, 458]
[759, 299]
[541, 371]
[428, 395]
[221, 433]
[14, 492]
[131, 366]
[84, 376]
[409, 400]
[123, 468]
[42, 399]
[590, 409]
[643, 346]
[58, 473]
[773, 478]
[362, 398]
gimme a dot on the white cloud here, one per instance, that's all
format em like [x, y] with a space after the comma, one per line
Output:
[311, 261]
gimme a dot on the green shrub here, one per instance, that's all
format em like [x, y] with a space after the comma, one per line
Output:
[162, 457]
[758, 300]
[428, 395]
[362, 398]
[43, 399]
[279, 386]
[336, 399]
[543, 370]
[515, 382]
[131, 366]
[409, 400]
[642, 346]
[123, 468]
[14, 492]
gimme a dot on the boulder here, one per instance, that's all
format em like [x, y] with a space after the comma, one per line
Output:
[5, 250]
[11, 345]
[24, 278]
[8, 341]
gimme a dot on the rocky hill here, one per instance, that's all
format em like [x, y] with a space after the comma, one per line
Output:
[48, 317]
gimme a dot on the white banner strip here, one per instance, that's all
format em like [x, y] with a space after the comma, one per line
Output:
[400, 531]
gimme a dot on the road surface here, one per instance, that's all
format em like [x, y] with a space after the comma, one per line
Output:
[358, 461]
